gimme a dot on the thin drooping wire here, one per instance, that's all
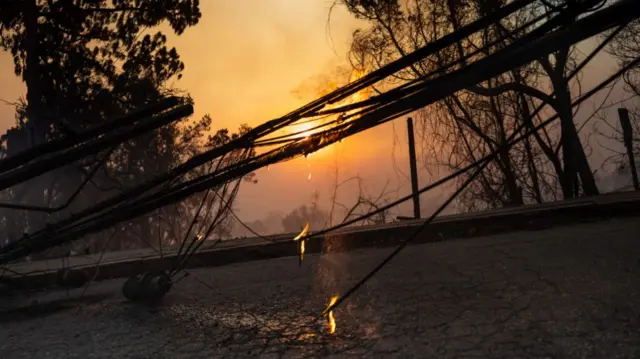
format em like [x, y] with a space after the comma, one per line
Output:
[334, 96]
[337, 304]
[410, 85]
[394, 110]
[416, 233]
[474, 73]
[200, 237]
[50, 161]
[24, 157]
[196, 237]
[440, 70]
[487, 158]
[482, 163]
[97, 264]
[446, 179]
[197, 214]
[274, 125]
[191, 224]
[417, 84]
[296, 135]
[223, 209]
[88, 177]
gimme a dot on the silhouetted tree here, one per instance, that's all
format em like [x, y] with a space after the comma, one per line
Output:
[296, 219]
[364, 202]
[87, 61]
[490, 110]
[83, 61]
[69, 52]
[625, 48]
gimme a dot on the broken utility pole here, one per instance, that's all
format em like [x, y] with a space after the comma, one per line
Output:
[414, 170]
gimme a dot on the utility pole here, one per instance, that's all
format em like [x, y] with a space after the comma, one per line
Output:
[414, 170]
[627, 135]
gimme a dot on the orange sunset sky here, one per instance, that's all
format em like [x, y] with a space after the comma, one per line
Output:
[243, 62]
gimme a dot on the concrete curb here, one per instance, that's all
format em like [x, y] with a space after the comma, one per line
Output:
[455, 227]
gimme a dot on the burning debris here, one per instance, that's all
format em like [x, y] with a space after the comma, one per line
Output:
[300, 238]
[328, 314]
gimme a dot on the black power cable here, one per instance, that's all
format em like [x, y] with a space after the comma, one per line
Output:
[64, 143]
[381, 98]
[88, 177]
[438, 88]
[621, 12]
[46, 163]
[481, 164]
[471, 166]
[247, 139]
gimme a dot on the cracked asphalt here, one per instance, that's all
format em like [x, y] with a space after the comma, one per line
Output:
[567, 292]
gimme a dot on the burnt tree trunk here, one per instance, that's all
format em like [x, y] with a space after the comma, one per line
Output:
[575, 160]
[37, 126]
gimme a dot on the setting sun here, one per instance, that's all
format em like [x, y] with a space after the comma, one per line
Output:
[305, 129]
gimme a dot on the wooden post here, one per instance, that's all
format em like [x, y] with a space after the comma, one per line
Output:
[414, 170]
[627, 134]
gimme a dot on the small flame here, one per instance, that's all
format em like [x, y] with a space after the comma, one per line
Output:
[332, 323]
[301, 239]
[199, 237]
[359, 96]
[303, 233]
[304, 130]
[331, 320]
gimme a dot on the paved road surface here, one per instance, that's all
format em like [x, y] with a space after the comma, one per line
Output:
[568, 292]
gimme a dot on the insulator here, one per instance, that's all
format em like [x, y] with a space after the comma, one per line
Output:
[147, 287]
[71, 278]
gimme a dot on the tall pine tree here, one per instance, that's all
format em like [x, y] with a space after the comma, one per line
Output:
[84, 61]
